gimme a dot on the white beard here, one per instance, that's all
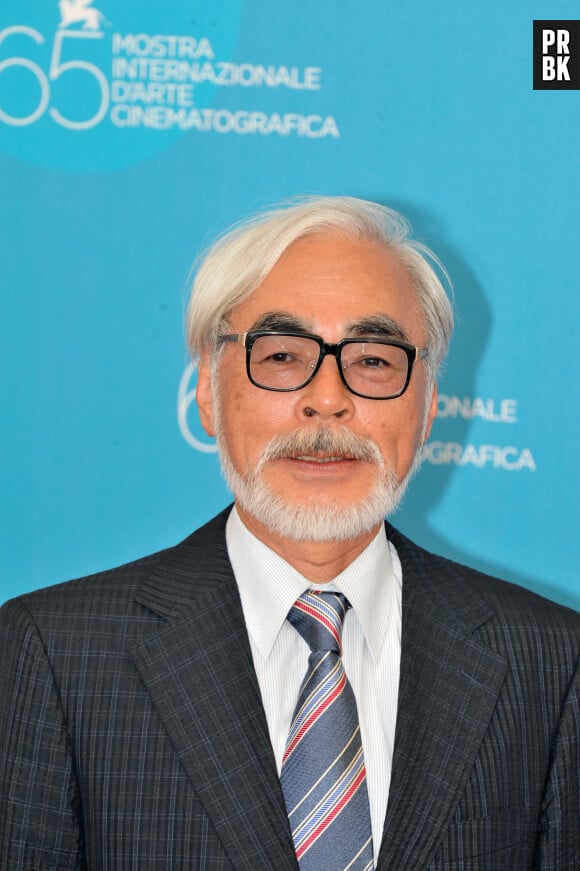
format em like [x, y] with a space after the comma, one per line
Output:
[299, 521]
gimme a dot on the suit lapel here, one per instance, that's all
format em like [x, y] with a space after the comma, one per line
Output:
[198, 669]
[197, 666]
[448, 690]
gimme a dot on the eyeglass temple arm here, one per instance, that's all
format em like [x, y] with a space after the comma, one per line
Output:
[234, 337]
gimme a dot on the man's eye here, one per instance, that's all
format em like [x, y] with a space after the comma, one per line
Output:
[280, 357]
[373, 363]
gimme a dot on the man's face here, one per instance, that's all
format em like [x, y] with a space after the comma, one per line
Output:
[334, 287]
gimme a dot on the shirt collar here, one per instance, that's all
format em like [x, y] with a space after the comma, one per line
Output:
[269, 586]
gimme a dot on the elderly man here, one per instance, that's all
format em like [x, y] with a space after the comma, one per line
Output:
[297, 685]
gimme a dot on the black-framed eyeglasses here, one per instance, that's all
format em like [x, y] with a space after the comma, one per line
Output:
[371, 368]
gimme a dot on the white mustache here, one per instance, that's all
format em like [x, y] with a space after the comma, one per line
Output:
[341, 442]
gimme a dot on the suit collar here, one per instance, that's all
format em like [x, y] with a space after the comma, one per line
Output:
[448, 690]
[205, 690]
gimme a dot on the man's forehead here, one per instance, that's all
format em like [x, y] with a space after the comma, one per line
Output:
[334, 288]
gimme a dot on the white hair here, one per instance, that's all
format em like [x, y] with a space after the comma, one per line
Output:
[240, 260]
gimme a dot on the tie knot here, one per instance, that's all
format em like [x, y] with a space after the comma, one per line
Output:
[318, 617]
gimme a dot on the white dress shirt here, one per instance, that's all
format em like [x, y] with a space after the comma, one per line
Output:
[371, 640]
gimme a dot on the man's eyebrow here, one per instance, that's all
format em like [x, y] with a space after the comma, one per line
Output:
[378, 326]
[280, 321]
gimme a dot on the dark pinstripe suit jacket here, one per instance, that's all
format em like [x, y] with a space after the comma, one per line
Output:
[133, 736]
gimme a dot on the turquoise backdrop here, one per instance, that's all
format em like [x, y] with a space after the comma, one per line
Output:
[131, 134]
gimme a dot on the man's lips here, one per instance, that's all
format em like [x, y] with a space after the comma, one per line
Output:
[322, 458]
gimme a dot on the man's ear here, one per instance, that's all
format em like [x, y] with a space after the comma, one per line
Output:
[432, 413]
[204, 395]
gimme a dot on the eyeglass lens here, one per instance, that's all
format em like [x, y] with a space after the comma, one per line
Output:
[370, 368]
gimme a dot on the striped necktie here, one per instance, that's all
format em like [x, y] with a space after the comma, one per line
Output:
[323, 771]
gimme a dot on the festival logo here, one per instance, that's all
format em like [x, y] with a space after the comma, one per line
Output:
[124, 92]
[80, 12]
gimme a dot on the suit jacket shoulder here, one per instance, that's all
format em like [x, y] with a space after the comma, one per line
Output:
[197, 563]
[464, 589]
[131, 723]
[487, 745]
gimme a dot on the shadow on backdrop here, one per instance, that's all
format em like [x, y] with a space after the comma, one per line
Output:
[473, 327]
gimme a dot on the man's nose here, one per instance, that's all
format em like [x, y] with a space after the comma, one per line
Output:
[327, 395]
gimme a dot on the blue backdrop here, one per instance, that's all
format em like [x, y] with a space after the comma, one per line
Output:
[131, 134]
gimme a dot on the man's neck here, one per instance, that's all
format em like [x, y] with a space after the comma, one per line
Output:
[318, 561]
